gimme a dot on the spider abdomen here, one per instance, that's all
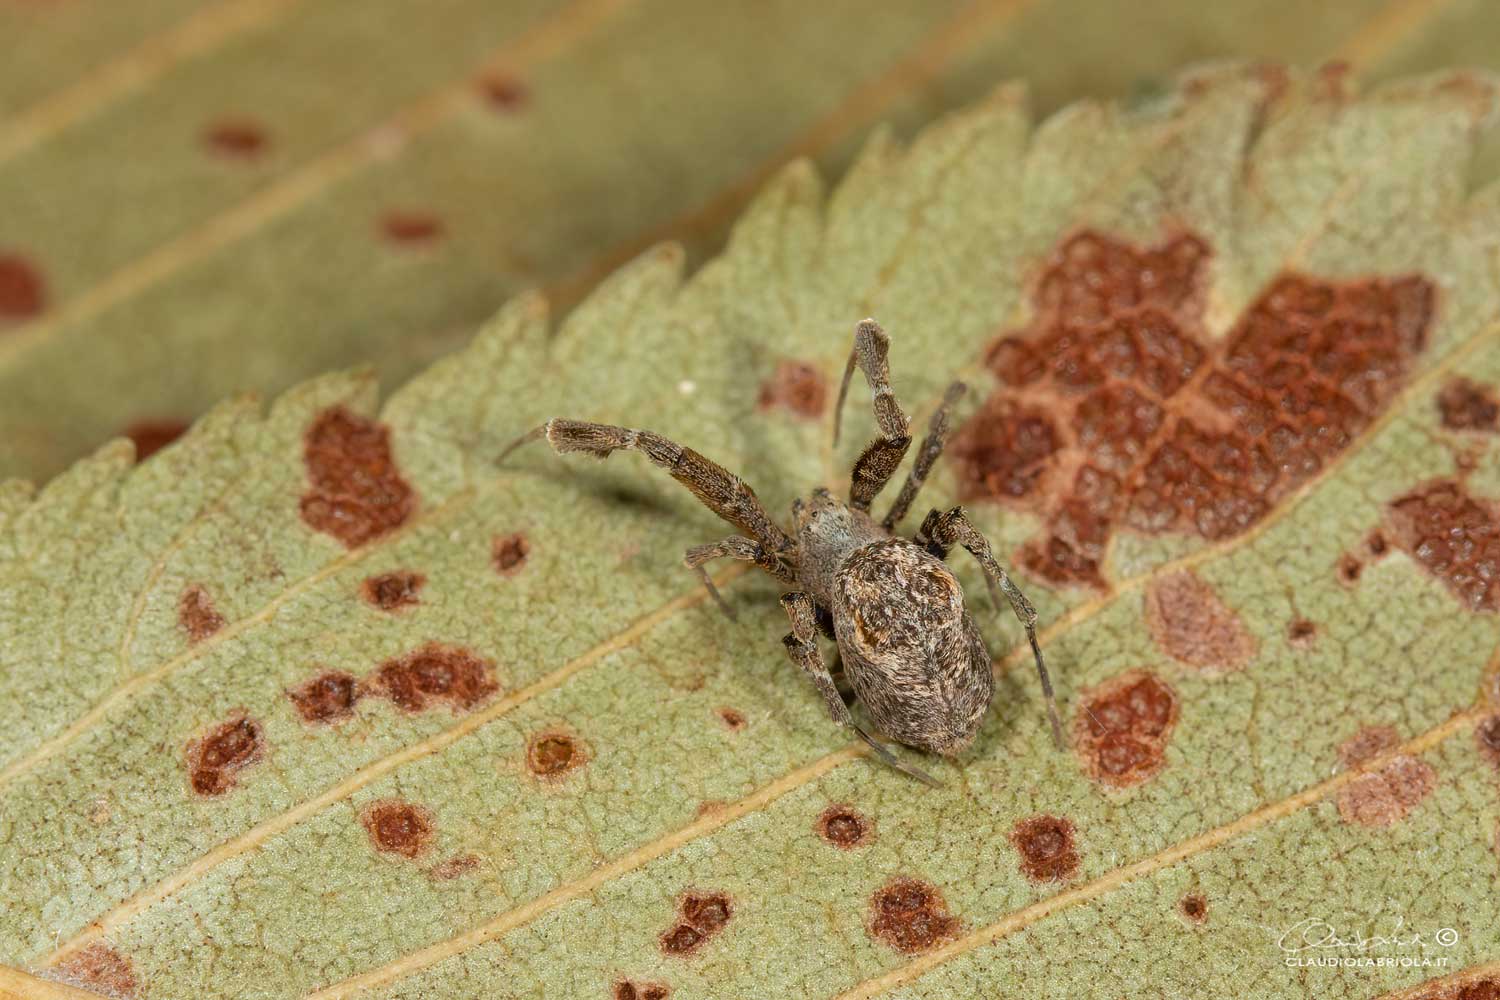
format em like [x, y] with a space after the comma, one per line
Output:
[910, 648]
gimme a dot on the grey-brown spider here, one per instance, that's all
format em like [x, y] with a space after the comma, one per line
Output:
[910, 649]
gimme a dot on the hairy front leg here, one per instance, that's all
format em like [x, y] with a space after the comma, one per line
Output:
[880, 460]
[722, 492]
[743, 549]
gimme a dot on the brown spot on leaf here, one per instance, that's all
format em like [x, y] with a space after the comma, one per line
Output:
[627, 990]
[844, 827]
[1487, 739]
[1470, 985]
[1455, 537]
[215, 759]
[1194, 906]
[197, 615]
[23, 294]
[397, 827]
[1469, 406]
[1388, 795]
[151, 436]
[413, 229]
[504, 92]
[509, 553]
[394, 590]
[911, 916]
[797, 387]
[1192, 624]
[100, 968]
[355, 492]
[1302, 633]
[1123, 729]
[708, 912]
[328, 697]
[461, 864]
[732, 718]
[1376, 545]
[1047, 848]
[681, 940]
[1349, 569]
[236, 138]
[553, 755]
[435, 673]
[1119, 411]
[700, 916]
[1367, 744]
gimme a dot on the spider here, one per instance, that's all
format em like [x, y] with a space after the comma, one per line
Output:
[910, 650]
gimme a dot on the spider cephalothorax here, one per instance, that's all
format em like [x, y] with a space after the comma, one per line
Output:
[909, 647]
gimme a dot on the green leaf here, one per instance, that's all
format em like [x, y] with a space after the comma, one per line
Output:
[200, 192]
[223, 773]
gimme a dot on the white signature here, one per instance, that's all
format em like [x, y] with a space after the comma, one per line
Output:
[1314, 933]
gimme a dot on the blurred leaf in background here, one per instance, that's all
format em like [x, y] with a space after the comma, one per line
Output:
[203, 197]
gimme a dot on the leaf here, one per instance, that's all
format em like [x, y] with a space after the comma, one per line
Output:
[205, 199]
[320, 701]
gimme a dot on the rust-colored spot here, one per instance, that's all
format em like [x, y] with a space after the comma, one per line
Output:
[151, 436]
[236, 138]
[215, 759]
[397, 827]
[911, 916]
[100, 968]
[1469, 406]
[627, 990]
[328, 697]
[797, 387]
[1349, 569]
[1487, 739]
[1194, 906]
[1455, 537]
[455, 866]
[1047, 848]
[1124, 727]
[1388, 795]
[709, 807]
[732, 718]
[411, 228]
[23, 294]
[196, 613]
[509, 553]
[504, 92]
[435, 673]
[1376, 545]
[1119, 411]
[700, 916]
[708, 912]
[1464, 986]
[394, 590]
[1302, 633]
[681, 940]
[1367, 744]
[355, 492]
[554, 754]
[1192, 624]
[844, 828]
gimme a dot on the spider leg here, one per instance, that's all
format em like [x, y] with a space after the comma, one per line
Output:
[927, 456]
[879, 461]
[947, 528]
[721, 491]
[737, 547]
[802, 646]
